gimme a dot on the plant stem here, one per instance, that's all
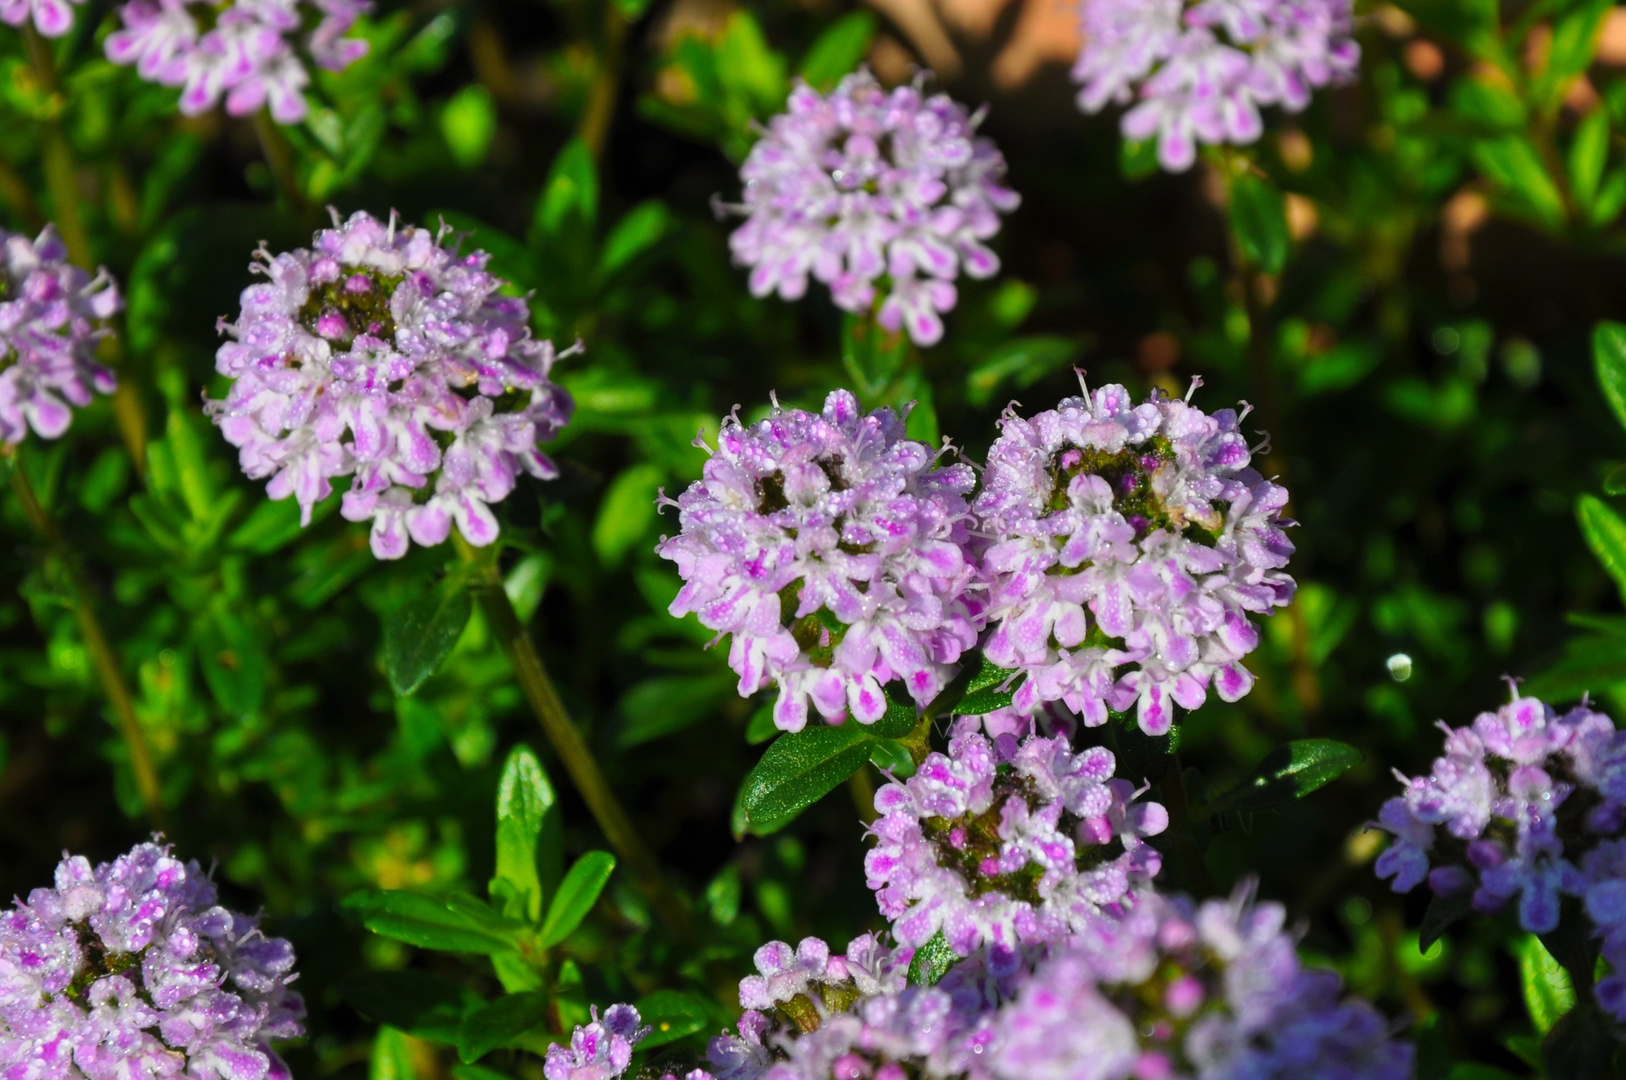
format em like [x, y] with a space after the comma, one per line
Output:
[279, 158]
[568, 743]
[101, 653]
[595, 122]
[61, 175]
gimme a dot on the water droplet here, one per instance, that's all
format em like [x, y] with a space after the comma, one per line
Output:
[1399, 666]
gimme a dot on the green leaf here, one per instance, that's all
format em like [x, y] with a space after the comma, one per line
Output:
[571, 190]
[1548, 992]
[1589, 151]
[233, 661]
[838, 50]
[269, 527]
[524, 798]
[419, 635]
[577, 894]
[627, 514]
[1581, 1045]
[500, 1023]
[462, 1071]
[1609, 363]
[1575, 40]
[468, 122]
[891, 756]
[1137, 160]
[1605, 534]
[392, 1057]
[1259, 219]
[640, 229]
[1287, 773]
[672, 1015]
[424, 921]
[1590, 664]
[760, 728]
[797, 771]
[1513, 163]
[975, 691]
[1441, 913]
[932, 961]
[413, 1001]
[900, 717]
[871, 354]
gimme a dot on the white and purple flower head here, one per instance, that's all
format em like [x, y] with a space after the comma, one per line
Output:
[52, 18]
[881, 195]
[1527, 804]
[600, 1050]
[1001, 844]
[52, 315]
[250, 52]
[1197, 71]
[1128, 545]
[132, 968]
[833, 549]
[382, 354]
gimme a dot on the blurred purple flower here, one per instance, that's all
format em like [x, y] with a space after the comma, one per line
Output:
[244, 50]
[52, 315]
[52, 18]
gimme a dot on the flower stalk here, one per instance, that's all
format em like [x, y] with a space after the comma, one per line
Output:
[102, 658]
[566, 740]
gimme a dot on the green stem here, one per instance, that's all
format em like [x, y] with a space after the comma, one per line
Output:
[101, 653]
[61, 174]
[568, 743]
[279, 158]
[595, 122]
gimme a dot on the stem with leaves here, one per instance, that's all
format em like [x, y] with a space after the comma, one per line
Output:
[567, 741]
[102, 659]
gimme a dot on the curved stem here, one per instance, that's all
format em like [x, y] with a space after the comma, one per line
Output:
[568, 743]
[61, 178]
[101, 653]
[595, 121]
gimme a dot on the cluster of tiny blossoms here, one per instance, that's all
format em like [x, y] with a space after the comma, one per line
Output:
[52, 315]
[1127, 546]
[1527, 804]
[1001, 844]
[1116, 550]
[242, 50]
[382, 354]
[1172, 991]
[877, 194]
[833, 549]
[1198, 70]
[132, 968]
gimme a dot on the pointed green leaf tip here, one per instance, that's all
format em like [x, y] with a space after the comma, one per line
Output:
[1605, 534]
[420, 635]
[577, 894]
[1288, 773]
[524, 797]
[932, 961]
[1259, 219]
[1609, 361]
[798, 770]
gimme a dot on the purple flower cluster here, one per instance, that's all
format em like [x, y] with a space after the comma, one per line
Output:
[999, 844]
[833, 549]
[875, 193]
[1128, 544]
[133, 969]
[381, 354]
[52, 315]
[1527, 804]
[1198, 70]
[1170, 991]
[598, 1050]
[52, 18]
[242, 50]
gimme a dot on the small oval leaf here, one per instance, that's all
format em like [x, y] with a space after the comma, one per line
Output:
[932, 961]
[499, 1023]
[425, 922]
[1605, 534]
[1609, 361]
[577, 894]
[797, 771]
[419, 635]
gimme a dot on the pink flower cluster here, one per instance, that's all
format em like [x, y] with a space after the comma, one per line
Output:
[242, 50]
[382, 354]
[52, 315]
[877, 194]
[52, 18]
[132, 968]
[1001, 844]
[1116, 551]
[834, 550]
[1197, 71]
